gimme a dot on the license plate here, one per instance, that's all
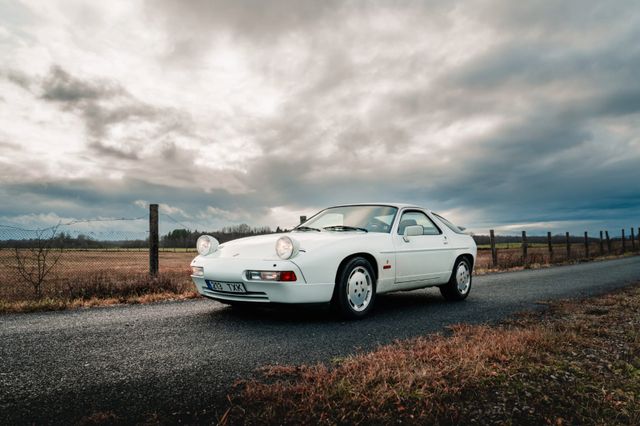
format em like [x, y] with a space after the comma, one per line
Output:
[227, 287]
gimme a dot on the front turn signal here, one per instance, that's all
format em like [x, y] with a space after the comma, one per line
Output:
[271, 276]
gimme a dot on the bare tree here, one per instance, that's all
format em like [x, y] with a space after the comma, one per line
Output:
[35, 262]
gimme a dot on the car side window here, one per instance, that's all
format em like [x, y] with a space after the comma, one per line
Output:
[417, 218]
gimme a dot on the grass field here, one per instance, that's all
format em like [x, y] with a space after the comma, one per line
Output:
[98, 277]
[518, 245]
[510, 255]
[577, 363]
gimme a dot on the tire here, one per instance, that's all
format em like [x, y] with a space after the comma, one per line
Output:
[459, 284]
[355, 291]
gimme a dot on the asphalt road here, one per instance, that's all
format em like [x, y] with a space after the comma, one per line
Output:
[183, 356]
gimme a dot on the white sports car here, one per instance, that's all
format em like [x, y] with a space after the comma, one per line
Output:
[344, 255]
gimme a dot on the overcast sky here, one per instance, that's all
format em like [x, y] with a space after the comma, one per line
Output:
[505, 114]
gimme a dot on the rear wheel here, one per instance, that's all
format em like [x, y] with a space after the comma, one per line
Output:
[459, 284]
[355, 289]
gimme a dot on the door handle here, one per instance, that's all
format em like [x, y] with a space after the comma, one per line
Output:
[446, 241]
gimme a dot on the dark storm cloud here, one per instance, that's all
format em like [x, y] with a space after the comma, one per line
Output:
[104, 104]
[547, 165]
[17, 78]
[110, 151]
[551, 162]
[91, 199]
[619, 103]
[504, 112]
[60, 86]
[543, 164]
[542, 62]
[551, 19]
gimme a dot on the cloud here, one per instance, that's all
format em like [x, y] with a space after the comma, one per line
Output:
[498, 113]
[108, 110]
[18, 78]
[60, 86]
[195, 25]
[9, 146]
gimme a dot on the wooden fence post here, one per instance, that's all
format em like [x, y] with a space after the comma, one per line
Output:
[494, 252]
[303, 219]
[550, 247]
[624, 245]
[525, 247]
[153, 239]
[567, 237]
[586, 244]
[601, 245]
[606, 234]
[633, 240]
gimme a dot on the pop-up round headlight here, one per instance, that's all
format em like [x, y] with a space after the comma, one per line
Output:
[286, 247]
[206, 244]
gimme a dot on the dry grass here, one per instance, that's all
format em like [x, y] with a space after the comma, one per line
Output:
[50, 304]
[104, 277]
[577, 363]
[97, 278]
[512, 261]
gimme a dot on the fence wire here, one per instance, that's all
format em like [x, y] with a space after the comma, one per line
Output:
[110, 257]
[83, 259]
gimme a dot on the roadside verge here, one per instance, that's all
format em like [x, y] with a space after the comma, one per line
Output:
[577, 362]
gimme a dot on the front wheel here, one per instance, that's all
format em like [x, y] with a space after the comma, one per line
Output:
[459, 284]
[355, 289]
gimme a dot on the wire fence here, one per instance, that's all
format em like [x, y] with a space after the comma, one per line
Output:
[112, 257]
[505, 252]
[101, 258]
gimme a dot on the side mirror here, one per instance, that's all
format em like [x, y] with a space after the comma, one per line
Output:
[412, 231]
[462, 228]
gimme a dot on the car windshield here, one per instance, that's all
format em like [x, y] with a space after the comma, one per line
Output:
[352, 218]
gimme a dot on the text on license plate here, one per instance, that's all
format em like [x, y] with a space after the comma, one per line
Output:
[228, 287]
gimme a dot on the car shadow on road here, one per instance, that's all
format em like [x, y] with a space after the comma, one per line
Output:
[388, 306]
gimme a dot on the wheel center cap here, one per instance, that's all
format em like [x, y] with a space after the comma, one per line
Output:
[358, 288]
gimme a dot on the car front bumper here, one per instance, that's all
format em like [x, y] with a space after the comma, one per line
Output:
[234, 271]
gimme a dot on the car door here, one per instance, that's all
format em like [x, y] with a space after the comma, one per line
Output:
[424, 258]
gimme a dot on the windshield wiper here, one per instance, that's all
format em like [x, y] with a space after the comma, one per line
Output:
[306, 228]
[344, 228]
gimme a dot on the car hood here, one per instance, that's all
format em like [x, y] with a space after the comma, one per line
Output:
[264, 246]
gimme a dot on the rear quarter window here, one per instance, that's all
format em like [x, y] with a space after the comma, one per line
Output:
[449, 225]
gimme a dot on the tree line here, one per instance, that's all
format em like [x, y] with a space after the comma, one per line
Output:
[185, 238]
[177, 238]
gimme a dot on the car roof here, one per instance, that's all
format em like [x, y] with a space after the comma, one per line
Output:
[398, 205]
